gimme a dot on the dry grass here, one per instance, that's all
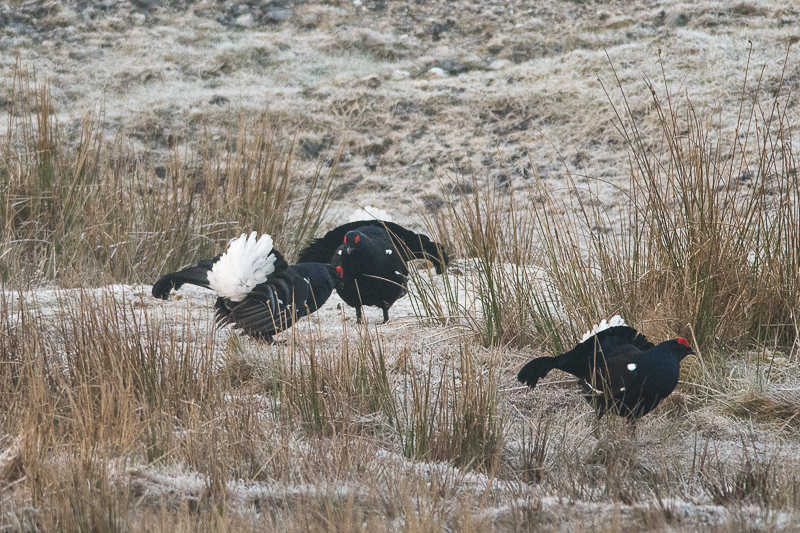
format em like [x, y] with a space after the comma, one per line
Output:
[120, 416]
[120, 413]
[702, 242]
[95, 206]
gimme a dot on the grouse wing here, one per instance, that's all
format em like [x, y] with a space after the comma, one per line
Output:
[409, 244]
[587, 355]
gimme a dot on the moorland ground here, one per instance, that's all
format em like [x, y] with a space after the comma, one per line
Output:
[578, 159]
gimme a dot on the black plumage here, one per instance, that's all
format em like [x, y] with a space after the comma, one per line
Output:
[370, 257]
[619, 370]
[288, 294]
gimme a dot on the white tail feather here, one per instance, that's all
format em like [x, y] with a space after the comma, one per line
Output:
[370, 213]
[612, 322]
[246, 263]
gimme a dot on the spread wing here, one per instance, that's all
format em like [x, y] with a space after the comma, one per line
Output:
[196, 275]
[270, 308]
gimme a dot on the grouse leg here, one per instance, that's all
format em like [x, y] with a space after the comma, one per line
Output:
[266, 338]
[359, 318]
[385, 314]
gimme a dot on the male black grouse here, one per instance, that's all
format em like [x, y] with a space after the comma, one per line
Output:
[618, 368]
[370, 257]
[258, 291]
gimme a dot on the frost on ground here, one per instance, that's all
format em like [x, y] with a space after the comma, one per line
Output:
[717, 469]
[412, 425]
[520, 95]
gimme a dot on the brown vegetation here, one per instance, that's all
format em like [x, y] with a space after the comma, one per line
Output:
[120, 412]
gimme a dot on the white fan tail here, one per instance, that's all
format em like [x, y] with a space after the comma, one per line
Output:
[370, 213]
[246, 263]
[612, 322]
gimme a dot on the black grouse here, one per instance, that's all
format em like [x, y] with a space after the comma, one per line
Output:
[618, 368]
[258, 291]
[370, 257]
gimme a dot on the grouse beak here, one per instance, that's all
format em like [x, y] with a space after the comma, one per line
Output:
[348, 250]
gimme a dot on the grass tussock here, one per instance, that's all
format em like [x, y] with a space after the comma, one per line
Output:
[452, 413]
[498, 288]
[91, 204]
[707, 244]
[328, 392]
[96, 382]
[757, 478]
[446, 411]
[111, 407]
[703, 241]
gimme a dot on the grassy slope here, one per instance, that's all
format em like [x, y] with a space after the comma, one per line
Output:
[155, 78]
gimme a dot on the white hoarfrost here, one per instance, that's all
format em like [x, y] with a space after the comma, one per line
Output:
[612, 322]
[246, 263]
[370, 213]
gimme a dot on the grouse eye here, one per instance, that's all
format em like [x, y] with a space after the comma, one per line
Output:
[340, 271]
[356, 241]
[683, 342]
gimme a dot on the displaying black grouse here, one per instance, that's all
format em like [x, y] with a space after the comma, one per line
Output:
[259, 292]
[618, 368]
[370, 257]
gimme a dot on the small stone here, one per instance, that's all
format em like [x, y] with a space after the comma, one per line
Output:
[138, 19]
[495, 48]
[358, 3]
[372, 81]
[680, 20]
[451, 66]
[432, 203]
[398, 75]
[437, 29]
[499, 64]
[537, 23]
[275, 15]
[310, 149]
[245, 21]
[145, 4]
[436, 72]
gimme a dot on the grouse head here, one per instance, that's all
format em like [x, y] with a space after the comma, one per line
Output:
[680, 347]
[353, 242]
[334, 276]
